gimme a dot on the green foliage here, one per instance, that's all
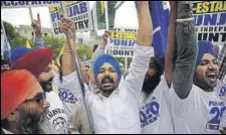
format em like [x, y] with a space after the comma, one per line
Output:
[17, 42]
[10, 31]
[55, 43]
[84, 52]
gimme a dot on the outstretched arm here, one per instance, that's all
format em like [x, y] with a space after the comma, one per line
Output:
[67, 26]
[171, 47]
[186, 50]
[36, 25]
[132, 85]
[101, 47]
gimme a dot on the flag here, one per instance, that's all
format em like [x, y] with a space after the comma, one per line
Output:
[28, 44]
[99, 13]
[5, 46]
[160, 21]
[58, 58]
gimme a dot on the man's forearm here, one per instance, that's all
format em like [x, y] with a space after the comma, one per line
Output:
[171, 47]
[39, 43]
[186, 50]
[144, 36]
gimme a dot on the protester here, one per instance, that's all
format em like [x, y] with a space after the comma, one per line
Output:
[192, 97]
[22, 103]
[155, 114]
[5, 64]
[65, 81]
[114, 107]
[37, 61]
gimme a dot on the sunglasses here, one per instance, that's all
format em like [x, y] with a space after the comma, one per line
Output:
[39, 98]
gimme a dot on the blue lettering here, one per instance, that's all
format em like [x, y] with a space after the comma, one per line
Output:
[55, 15]
[70, 12]
[132, 42]
[124, 42]
[6, 3]
[83, 7]
[34, 2]
[49, 2]
[198, 20]
[76, 10]
[143, 117]
[21, 3]
[222, 19]
[14, 3]
[210, 19]
[116, 42]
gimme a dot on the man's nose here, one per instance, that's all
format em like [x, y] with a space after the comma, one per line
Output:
[46, 104]
[106, 73]
[212, 66]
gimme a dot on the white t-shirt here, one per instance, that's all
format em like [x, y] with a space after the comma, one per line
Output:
[56, 113]
[199, 113]
[69, 91]
[119, 113]
[155, 115]
[221, 90]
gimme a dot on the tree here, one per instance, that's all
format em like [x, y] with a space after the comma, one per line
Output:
[55, 43]
[17, 42]
[84, 52]
[10, 31]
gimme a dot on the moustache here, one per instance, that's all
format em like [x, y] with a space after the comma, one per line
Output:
[47, 85]
[107, 79]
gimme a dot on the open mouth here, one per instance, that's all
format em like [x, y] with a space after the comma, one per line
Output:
[107, 82]
[212, 76]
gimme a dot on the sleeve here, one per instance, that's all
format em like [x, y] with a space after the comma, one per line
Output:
[182, 107]
[131, 86]
[186, 51]
[71, 82]
[39, 43]
[79, 121]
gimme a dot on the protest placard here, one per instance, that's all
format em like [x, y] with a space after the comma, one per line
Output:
[210, 21]
[122, 41]
[78, 11]
[24, 4]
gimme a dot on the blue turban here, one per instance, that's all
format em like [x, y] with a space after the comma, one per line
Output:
[18, 52]
[204, 47]
[106, 58]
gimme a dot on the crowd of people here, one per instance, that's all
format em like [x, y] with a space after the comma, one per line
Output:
[183, 92]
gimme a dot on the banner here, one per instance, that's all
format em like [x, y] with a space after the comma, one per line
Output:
[122, 41]
[98, 13]
[25, 4]
[160, 21]
[78, 11]
[2, 39]
[5, 47]
[210, 21]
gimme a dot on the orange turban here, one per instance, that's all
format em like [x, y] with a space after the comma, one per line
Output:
[16, 86]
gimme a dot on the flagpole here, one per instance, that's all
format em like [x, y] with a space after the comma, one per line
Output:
[106, 23]
[77, 67]
[5, 39]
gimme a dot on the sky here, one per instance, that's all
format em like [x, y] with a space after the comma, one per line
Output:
[126, 16]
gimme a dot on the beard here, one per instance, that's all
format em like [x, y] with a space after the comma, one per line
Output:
[47, 85]
[29, 122]
[107, 89]
[203, 83]
[150, 83]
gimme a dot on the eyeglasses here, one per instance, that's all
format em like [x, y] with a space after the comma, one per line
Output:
[39, 98]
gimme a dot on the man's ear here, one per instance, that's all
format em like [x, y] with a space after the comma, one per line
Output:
[12, 116]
